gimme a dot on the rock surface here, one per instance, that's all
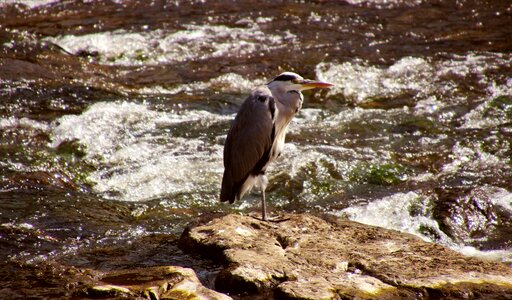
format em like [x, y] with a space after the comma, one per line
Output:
[306, 257]
[166, 282]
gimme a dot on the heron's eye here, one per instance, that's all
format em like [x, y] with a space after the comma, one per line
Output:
[295, 81]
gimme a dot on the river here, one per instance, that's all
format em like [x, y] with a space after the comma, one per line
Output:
[114, 114]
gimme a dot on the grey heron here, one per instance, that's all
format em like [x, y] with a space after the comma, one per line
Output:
[257, 135]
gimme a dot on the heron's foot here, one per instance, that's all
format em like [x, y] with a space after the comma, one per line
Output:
[276, 219]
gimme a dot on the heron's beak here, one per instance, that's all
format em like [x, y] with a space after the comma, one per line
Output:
[308, 84]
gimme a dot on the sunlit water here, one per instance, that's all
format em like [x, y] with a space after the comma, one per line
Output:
[121, 47]
[125, 148]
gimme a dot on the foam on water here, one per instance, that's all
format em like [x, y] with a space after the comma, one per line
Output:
[410, 212]
[314, 163]
[30, 3]
[225, 83]
[105, 127]
[136, 153]
[424, 78]
[396, 212]
[429, 105]
[471, 159]
[503, 198]
[479, 117]
[14, 122]
[121, 47]
[358, 81]
[385, 3]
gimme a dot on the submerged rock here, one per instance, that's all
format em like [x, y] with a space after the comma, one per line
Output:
[306, 257]
[166, 282]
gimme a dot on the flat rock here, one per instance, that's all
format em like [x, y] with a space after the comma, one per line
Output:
[307, 257]
[165, 282]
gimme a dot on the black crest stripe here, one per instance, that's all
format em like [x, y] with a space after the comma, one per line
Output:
[285, 77]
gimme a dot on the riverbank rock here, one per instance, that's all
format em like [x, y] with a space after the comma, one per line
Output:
[307, 257]
[166, 282]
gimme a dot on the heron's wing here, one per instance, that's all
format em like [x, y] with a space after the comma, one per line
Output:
[248, 143]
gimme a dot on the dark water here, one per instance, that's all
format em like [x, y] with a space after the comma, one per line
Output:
[113, 117]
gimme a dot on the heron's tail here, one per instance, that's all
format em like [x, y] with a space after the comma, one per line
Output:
[227, 191]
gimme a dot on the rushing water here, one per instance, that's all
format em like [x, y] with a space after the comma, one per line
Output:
[114, 114]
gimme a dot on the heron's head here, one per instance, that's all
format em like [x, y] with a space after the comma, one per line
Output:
[289, 81]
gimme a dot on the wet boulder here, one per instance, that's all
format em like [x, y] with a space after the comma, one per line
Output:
[166, 282]
[307, 257]
[478, 216]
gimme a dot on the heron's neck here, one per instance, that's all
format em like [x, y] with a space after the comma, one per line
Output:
[286, 108]
[287, 105]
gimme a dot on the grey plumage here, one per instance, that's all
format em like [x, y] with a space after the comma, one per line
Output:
[256, 137]
[252, 134]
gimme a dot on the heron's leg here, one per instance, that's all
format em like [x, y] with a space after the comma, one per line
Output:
[263, 185]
